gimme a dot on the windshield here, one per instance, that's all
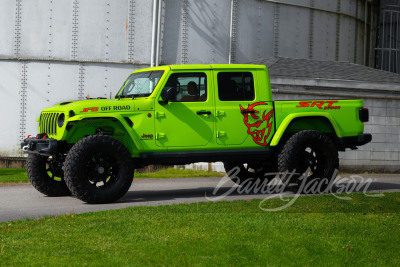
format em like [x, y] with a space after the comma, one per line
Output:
[140, 83]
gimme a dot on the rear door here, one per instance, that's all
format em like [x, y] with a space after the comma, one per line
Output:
[241, 118]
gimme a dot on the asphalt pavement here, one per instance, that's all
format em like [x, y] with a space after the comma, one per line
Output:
[23, 201]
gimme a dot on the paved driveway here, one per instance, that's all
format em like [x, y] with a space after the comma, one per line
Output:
[23, 201]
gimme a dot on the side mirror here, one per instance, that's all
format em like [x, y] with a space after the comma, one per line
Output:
[168, 94]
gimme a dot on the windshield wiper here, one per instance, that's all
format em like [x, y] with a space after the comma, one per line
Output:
[138, 95]
[132, 96]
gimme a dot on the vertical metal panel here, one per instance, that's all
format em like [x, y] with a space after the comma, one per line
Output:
[61, 15]
[208, 33]
[10, 77]
[171, 45]
[142, 34]
[347, 39]
[103, 30]
[356, 41]
[324, 36]
[258, 42]
[293, 33]
[7, 29]
[40, 21]
[360, 43]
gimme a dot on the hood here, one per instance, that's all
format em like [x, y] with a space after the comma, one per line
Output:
[91, 106]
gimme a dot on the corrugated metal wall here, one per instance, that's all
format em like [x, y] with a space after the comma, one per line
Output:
[51, 51]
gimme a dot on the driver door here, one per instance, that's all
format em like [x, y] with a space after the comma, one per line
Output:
[188, 121]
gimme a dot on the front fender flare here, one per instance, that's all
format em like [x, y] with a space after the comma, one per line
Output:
[134, 137]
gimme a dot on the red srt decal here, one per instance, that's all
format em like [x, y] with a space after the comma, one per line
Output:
[258, 127]
[318, 104]
[90, 109]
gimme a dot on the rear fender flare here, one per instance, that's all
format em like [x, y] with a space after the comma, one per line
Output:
[292, 117]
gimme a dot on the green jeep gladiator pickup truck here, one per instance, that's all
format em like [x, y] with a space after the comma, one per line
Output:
[185, 114]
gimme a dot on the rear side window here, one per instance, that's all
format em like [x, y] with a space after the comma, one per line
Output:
[235, 86]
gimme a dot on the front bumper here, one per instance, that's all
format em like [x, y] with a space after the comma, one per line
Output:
[45, 147]
[354, 141]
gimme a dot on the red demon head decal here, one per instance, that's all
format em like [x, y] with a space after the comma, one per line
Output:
[259, 127]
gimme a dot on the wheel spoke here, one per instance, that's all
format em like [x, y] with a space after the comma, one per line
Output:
[104, 180]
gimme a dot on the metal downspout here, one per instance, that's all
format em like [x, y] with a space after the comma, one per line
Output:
[365, 32]
[158, 43]
[153, 33]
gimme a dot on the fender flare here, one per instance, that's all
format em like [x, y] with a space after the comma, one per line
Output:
[290, 118]
[134, 137]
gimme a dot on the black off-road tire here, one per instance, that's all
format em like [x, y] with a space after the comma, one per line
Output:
[249, 173]
[46, 182]
[308, 149]
[98, 169]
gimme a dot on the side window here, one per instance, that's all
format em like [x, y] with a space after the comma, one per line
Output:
[235, 86]
[190, 87]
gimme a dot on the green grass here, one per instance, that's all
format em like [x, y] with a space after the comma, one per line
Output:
[19, 175]
[8, 175]
[318, 230]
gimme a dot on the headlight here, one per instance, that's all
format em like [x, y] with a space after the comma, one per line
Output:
[61, 120]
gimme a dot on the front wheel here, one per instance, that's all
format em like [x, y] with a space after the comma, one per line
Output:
[98, 169]
[308, 162]
[46, 175]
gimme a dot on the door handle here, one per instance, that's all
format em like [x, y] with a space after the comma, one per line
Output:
[248, 111]
[202, 112]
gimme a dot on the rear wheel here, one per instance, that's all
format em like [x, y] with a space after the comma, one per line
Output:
[312, 157]
[46, 175]
[98, 169]
[241, 173]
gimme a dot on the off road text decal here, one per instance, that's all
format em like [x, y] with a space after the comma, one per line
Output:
[108, 108]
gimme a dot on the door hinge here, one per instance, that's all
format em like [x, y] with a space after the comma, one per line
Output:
[159, 114]
[220, 134]
[160, 136]
[219, 113]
